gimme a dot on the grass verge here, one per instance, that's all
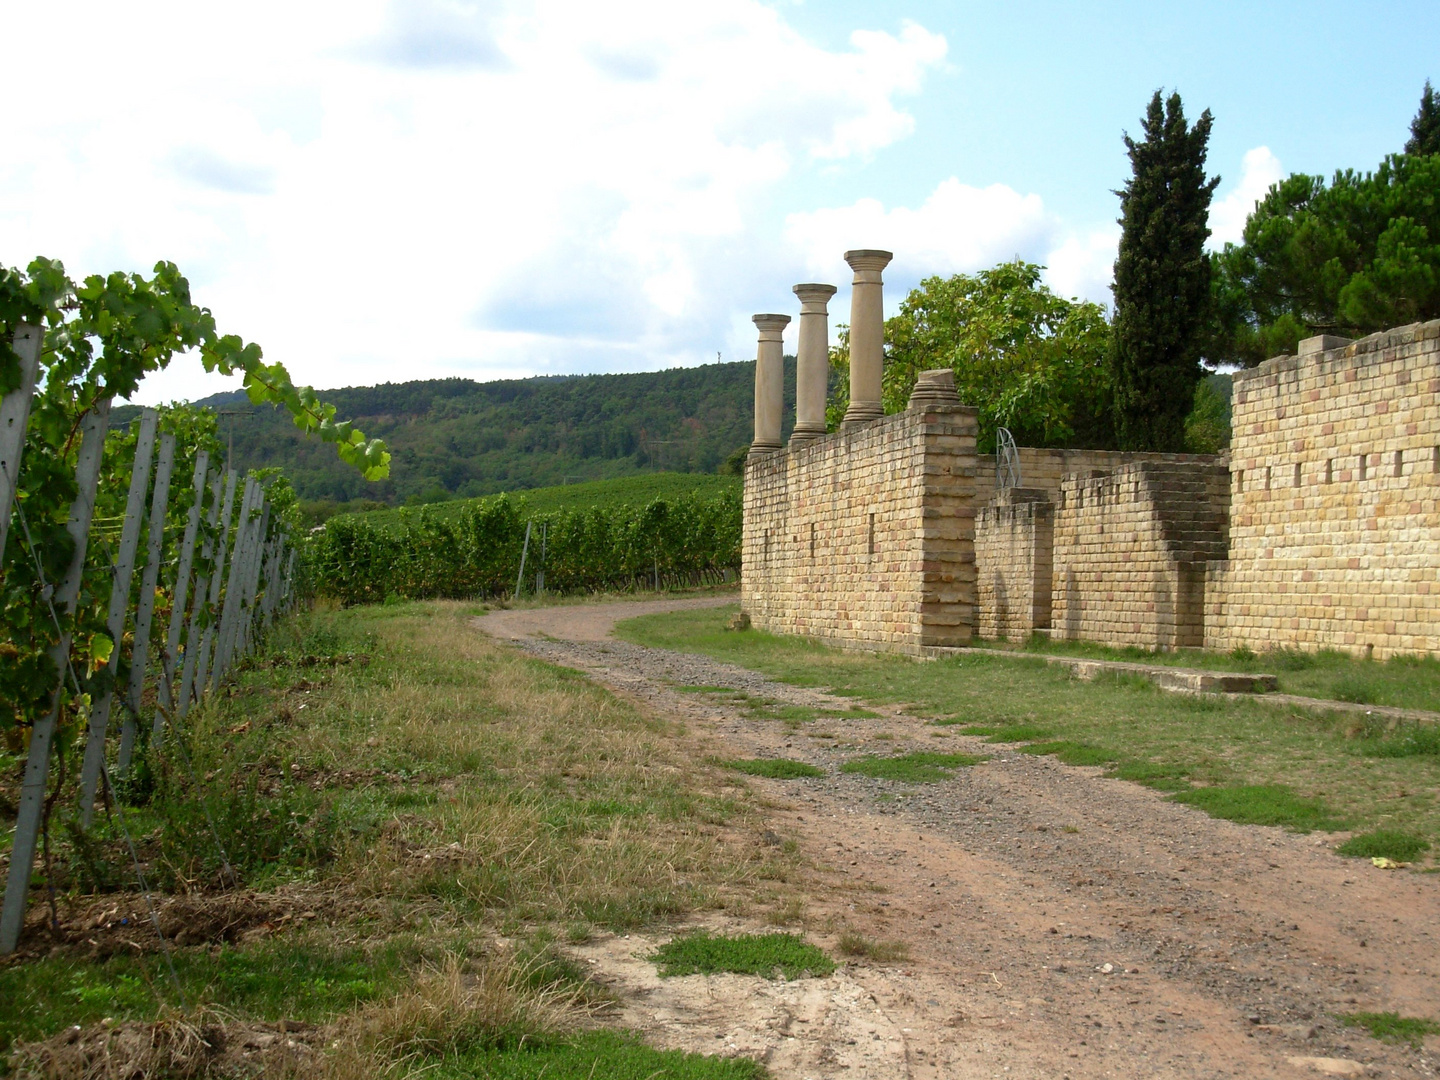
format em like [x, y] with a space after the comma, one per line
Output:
[702, 953]
[399, 797]
[1405, 682]
[1260, 762]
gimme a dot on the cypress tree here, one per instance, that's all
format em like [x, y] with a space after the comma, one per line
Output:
[1162, 279]
[1425, 128]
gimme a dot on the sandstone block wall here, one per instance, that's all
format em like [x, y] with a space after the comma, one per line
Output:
[1014, 540]
[866, 536]
[1335, 536]
[1131, 548]
[1045, 469]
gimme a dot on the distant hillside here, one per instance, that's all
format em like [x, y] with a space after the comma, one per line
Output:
[637, 491]
[456, 437]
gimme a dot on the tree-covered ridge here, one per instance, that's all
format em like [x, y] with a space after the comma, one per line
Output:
[460, 438]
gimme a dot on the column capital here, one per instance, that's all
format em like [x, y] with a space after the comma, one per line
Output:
[868, 259]
[771, 324]
[814, 298]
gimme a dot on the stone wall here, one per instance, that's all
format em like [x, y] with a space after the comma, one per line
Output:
[1044, 469]
[1335, 538]
[1014, 539]
[1131, 548]
[866, 536]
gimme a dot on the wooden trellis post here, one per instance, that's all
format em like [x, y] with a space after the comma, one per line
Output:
[217, 584]
[42, 735]
[145, 609]
[14, 413]
[119, 605]
[178, 598]
[202, 589]
[230, 613]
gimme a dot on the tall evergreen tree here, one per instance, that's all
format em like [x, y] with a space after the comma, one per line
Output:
[1162, 278]
[1425, 128]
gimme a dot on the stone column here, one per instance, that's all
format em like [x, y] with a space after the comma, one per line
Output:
[769, 382]
[812, 362]
[867, 335]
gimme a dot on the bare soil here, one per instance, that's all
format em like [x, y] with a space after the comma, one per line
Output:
[1060, 924]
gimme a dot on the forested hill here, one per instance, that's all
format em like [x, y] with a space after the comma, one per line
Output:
[455, 437]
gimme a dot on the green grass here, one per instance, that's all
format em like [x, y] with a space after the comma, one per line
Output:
[638, 490]
[1403, 682]
[1392, 1027]
[920, 767]
[296, 979]
[1335, 767]
[1385, 844]
[775, 768]
[1262, 804]
[1071, 753]
[611, 1055]
[444, 792]
[701, 953]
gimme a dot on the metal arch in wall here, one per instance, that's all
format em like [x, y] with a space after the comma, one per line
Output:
[1007, 460]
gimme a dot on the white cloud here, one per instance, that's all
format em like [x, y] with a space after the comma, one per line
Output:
[958, 228]
[388, 189]
[1258, 171]
[1083, 265]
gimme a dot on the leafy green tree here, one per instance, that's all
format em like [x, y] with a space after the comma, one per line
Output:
[1359, 255]
[1027, 359]
[1162, 278]
[1425, 128]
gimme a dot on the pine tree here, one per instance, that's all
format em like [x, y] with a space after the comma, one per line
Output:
[1162, 279]
[1425, 128]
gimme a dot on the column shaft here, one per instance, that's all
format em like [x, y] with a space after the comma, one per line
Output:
[867, 334]
[769, 382]
[812, 361]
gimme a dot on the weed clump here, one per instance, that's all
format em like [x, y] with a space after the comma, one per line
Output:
[701, 953]
[857, 944]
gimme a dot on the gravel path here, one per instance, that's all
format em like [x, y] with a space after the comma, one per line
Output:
[1060, 924]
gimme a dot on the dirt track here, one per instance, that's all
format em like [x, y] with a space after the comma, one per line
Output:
[1060, 924]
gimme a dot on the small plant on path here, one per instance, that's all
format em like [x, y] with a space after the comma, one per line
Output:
[702, 953]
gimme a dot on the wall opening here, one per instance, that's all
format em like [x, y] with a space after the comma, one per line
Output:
[870, 542]
[1297, 475]
[1239, 481]
[1267, 477]
[812, 540]
[1329, 470]
[1399, 462]
[1363, 462]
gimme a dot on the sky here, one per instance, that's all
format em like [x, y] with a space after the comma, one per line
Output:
[386, 190]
